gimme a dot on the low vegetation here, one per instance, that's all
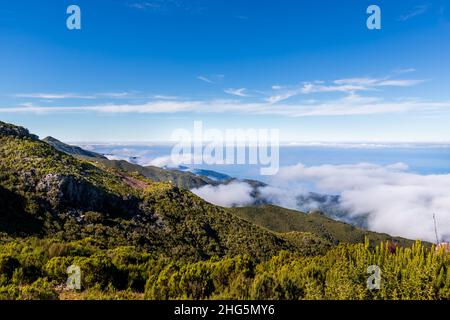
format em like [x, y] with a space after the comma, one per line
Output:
[36, 269]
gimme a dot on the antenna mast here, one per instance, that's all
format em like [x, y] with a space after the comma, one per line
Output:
[435, 228]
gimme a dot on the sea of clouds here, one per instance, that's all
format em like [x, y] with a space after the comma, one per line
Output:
[391, 198]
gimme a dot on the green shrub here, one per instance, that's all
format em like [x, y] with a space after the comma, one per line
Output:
[41, 289]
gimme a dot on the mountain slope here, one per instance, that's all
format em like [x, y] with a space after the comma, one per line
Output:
[48, 193]
[284, 220]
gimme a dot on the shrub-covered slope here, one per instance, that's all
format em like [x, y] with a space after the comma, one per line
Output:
[49, 193]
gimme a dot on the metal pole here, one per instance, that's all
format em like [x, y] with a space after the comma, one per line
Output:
[435, 228]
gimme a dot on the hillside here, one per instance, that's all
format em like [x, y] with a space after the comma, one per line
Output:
[46, 192]
[284, 220]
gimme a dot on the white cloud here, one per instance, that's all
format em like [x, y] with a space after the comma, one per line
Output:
[394, 200]
[359, 81]
[282, 96]
[164, 97]
[213, 78]
[350, 87]
[400, 83]
[145, 5]
[54, 96]
[368, 83]
[113, 94]
[229, 195]
[275, 104]
[173, 161]
[347, 86]
[237, 92]
[390, 198]
[404, 70]
[27, 104]
[60, 96]
[205, 79]
[116, 157]
[166, 6]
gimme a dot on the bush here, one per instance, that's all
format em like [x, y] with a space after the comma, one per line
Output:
[41, 289]
[9, 292]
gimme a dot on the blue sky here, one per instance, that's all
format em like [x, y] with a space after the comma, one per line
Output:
[139, 69]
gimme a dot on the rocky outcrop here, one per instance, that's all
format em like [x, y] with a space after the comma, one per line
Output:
[67, 193]
[16, 131]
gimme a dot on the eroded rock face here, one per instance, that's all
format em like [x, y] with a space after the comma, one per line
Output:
[65, 192]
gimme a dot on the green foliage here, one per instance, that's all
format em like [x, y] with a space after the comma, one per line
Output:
[409, 273]
[41, 289]
[33, 269]
[9, 292]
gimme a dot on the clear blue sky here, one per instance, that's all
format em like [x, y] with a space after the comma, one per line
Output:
[138, 69]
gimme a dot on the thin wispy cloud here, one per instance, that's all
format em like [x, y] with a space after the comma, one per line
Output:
[214, 78]
[346, 86]
[61, 96]
[368, 83]
[113, 94]
[54, 96]
[168, 5]
[414, 12]
[164, 97]
[27, 104]
[350, 106]
[242, 92]
[145, 5]
[404, 70]
[283, 96]
[275, 103]
[205, 79]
